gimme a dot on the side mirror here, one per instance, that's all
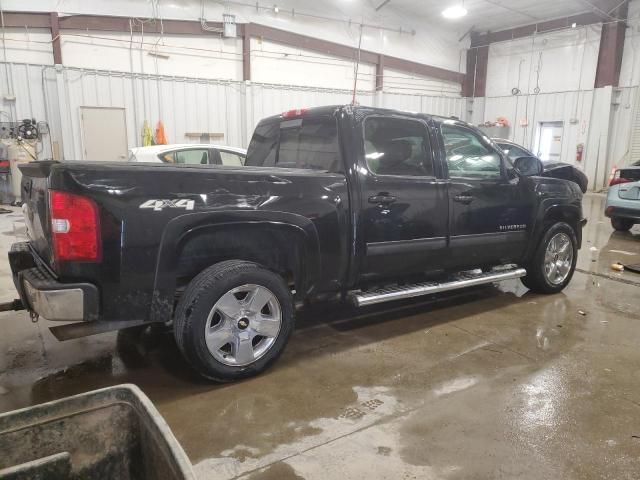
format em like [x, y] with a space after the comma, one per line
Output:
[529, 166]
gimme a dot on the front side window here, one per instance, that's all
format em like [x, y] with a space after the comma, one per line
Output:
[397, 146]
[468, 156]
[310, 143]
[513, 152]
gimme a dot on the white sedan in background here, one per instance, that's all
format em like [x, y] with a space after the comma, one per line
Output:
[189, 154]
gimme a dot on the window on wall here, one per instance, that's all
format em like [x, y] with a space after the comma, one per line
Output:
[397, 146]
[468, 155]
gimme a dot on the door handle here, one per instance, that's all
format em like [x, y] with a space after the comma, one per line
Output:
[382, 199]
[464, 199]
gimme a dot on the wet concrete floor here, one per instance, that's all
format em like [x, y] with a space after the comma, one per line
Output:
[492, 383]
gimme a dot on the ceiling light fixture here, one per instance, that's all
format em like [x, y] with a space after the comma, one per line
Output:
[454, 12]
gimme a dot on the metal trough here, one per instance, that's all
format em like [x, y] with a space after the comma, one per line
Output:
[111, 433]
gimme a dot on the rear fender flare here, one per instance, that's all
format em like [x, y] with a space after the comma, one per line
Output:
[186, 227]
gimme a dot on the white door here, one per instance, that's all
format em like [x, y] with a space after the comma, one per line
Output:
[104, 134]
[549, 141]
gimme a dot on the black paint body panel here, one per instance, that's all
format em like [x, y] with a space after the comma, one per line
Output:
[317, 229]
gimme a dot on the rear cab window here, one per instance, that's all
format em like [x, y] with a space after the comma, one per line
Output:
[310, 142]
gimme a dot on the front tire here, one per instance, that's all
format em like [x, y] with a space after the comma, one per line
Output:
[621, 224]
[554, 261]
[234, 320]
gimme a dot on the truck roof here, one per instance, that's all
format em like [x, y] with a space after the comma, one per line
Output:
[330, 109]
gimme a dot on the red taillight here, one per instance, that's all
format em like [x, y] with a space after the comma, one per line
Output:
[617, 179]
[295, 113]
[75, 226]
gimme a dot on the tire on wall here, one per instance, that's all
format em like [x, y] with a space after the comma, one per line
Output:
[234, 320]
[554, 261]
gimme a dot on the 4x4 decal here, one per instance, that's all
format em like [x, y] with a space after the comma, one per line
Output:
[158, 205]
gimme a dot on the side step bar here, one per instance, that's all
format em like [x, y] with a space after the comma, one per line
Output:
[363, 299]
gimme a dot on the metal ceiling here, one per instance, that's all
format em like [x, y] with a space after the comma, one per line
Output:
[496, 15]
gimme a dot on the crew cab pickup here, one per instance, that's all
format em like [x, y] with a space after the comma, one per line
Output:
[351, 202]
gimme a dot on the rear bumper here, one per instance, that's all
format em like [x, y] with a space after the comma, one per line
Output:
[622, 212]
[43, 294]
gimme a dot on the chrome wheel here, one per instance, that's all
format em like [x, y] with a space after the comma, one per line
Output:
[243, 325]
[558, 259]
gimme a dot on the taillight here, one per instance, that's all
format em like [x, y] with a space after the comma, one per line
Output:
[294, 113]
[617, 179]
[75, 226]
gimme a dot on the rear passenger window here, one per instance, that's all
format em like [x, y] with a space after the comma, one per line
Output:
[397, 146]
[192, 157]
[230, 158]
[310, 143]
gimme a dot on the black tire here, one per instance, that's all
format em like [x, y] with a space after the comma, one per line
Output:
[199, 299]
[621, 224]
[536, 279]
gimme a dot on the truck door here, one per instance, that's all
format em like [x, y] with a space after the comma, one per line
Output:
[490, 211]
[404, 203]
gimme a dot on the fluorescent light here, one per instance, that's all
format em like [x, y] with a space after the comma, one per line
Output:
[456, 11]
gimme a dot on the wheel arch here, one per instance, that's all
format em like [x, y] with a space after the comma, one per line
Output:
[285, 243]
[550, 215]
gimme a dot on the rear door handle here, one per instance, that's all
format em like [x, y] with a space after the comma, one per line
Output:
[382, 199]
[464, 199]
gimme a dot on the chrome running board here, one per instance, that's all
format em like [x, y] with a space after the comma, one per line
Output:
[389, 294]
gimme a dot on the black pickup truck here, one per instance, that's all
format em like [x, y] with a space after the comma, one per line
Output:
[366, 204]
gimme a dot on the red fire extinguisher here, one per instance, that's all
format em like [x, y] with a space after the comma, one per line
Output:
[579, 151]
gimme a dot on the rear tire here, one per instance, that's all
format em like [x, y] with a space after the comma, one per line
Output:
[621, 224]
[234, 320]
[554, 261]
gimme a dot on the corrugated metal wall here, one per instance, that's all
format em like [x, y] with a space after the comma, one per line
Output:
[572, 108]
[185, 105]
[444, 106]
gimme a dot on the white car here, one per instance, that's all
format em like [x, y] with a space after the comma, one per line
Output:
[189, 153]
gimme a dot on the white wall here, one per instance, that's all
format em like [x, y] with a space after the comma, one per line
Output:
[279, 64]
[180, 55]
[555, 62]
[433, 43]
[630, 72]
[562, 65]
[186, 105]
[27, 46]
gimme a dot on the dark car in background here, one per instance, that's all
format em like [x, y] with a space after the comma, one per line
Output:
[564, 171]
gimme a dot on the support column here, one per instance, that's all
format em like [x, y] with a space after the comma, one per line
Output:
[55, 38]
[380, 73]
[611, 49]
[475, 81]
[246, 53]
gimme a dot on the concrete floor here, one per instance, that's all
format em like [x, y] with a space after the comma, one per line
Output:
[493, 383]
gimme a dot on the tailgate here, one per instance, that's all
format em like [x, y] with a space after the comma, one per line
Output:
[35, 206]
